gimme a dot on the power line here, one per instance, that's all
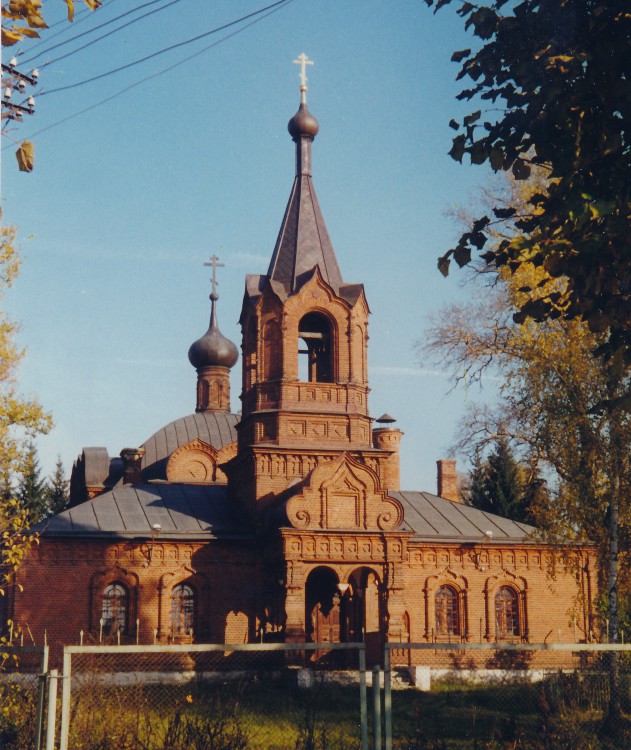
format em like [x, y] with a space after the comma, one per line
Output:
[81, 16]
[113, 31]
[274, 9]
[100, 26]
[166, 49]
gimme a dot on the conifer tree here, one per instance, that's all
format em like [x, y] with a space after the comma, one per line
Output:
[6, 487]
[474, 491]
[57, 490]
[31, 490]
[500, 485]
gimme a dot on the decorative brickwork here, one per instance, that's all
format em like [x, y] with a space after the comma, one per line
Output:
[298, 529]
[199, 462]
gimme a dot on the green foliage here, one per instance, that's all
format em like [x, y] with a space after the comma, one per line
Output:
[17, 717]
[252, 713]
[31, 489]
[20, 421]
[42, 498]
[550, 383]
[38, 496]
[498, 484]
[57, 490]
[567, 406]
[16, 540]
[559, 74]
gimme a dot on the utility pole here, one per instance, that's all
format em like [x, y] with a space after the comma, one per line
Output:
[14, 81]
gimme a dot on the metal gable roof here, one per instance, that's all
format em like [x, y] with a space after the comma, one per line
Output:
[182, 510]
[433, 518]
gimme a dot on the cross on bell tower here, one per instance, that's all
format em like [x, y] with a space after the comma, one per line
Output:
[303, 61]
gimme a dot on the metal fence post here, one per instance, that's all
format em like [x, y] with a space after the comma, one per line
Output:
[41, 696]
[363, 701]
[42, 680]
[45, 652]
[376, 712]
[387, 696]
[52, 710]
[65, 700]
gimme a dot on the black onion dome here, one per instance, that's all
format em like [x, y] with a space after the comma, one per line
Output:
[213, 349]
[303, 124]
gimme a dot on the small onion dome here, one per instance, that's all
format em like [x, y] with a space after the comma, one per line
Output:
[385, 419]
[213, 349]
[303, 124]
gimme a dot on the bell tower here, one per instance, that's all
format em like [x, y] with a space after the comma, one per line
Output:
[305, 334]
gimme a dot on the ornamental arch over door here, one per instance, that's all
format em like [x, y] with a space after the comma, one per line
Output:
[363, 612]
[322, 599]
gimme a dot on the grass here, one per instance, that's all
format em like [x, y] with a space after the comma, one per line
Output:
[458, 715]
[252, 714]
[265, 714]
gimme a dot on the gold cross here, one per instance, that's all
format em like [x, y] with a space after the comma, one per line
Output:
[303, 61]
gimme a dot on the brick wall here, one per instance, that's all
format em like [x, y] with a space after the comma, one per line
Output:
[240, 586]
[63, 585]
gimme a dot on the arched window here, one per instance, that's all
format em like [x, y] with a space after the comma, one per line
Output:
[114, 608]
[315, 363]
[182, 609]
[447, 611]
[272, 350]
[506, 613]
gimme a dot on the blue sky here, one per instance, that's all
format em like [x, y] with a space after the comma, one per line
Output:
[128, 200]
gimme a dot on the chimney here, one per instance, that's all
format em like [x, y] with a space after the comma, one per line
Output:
[448, 480]
[132, 458]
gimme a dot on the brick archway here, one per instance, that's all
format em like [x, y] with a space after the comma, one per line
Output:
[364, 612]
[322, 600]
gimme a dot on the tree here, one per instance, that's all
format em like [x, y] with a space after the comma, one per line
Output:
[551, 378]
[23, 18]
[559, 74]
[57, 490]
[499, 484]
[32, 490]
[6, 487]
[21, 420]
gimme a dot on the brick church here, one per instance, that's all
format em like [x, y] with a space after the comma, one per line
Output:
[287, 521]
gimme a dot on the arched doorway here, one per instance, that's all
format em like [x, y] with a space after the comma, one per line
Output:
[323, 607]
[363, 613]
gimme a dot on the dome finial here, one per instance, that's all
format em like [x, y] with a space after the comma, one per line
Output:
[213, 349]
[303, 61]
[303, 125]
[214, 262]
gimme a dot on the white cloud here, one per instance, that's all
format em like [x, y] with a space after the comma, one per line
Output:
[423, 372]
[249, 258]
[417, 372]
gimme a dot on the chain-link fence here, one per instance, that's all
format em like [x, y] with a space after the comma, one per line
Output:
[491, 696]
[436, 696]
[215, 697]
[22, 696]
